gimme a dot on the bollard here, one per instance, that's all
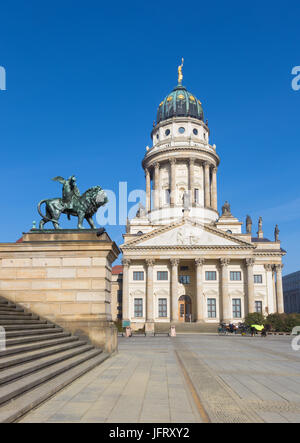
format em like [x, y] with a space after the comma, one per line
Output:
[173, 331]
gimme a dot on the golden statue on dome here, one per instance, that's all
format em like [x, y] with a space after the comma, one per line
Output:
[180, 75]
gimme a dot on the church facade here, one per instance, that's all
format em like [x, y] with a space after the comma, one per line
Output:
[182, 260]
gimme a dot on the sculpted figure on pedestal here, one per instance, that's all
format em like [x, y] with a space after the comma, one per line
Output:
[248, 224]
[226, 209]
[72, 203]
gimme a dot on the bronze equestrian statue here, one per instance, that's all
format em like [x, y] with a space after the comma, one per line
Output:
[72, 203]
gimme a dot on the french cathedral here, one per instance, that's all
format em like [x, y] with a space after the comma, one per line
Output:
[183, 261]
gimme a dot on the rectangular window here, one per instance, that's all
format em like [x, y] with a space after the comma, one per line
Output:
[258, 279]
[167, 196]
[258, 306]
[138, 276]
[196, 195]
[184, 279]
[210, 275]
[162, 275]
[162, 308]
[237, 308]
[138, 307]
[235, 276]
[211, 308]
[119, 296]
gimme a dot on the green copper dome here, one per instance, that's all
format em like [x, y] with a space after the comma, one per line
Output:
[180, 103]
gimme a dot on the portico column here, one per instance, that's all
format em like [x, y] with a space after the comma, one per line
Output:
[270, 289]
[274, 289]
[214, 198]
[174, 289]
[279, 290]
[148, 191]
[125, 291]
[156, 186]
[199, 291]
[173, 181]
[206, 185]
[225, 311]
[250, 285]
[192, 180]
[149, 297]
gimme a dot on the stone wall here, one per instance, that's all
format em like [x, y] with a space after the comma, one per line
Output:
[65, 277]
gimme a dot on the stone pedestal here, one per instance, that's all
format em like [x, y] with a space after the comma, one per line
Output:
[149, 328]
[65, 277]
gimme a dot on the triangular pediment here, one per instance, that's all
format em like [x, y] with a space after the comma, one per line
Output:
[187, 233]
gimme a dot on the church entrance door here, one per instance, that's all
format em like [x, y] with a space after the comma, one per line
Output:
[184, 308]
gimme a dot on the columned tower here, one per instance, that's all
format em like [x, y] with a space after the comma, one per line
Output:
[181, 167]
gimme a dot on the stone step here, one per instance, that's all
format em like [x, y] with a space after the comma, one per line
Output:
[12, 390]
[22, 321]
[12, 374]
[17, 315]
[13, 350]
[187, 327]
[41, 350]
[35, 338]
[7, 308]
[8, 305]
[24, 333]
[27, 401]
[25, 326]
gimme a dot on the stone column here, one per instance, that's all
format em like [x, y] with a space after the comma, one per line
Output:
[156, 186]
[250, 285]
[174, 289]
[214, 196]
[274, 289]
[206, 185]
[125, 289]
[173, 182]
[149, 295]
[224, 305]
[192, 180]
[270, 289]
[279, 290]
[148, 191]
[199, 289]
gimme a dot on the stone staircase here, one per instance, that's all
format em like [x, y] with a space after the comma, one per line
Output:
[187, 328]
[39, 360]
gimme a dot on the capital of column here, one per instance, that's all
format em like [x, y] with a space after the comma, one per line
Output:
[278, 268]
[199, 261]
[147, 172]
[174, 261]
[268, 267]
[150, 262]
[156, 166]
[224, 262]
[215, 169]
[172, 160]
[192, 161]
[206, 165]
[126, 262]
[250, 261]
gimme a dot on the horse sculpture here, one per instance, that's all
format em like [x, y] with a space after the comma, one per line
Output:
[83, 207]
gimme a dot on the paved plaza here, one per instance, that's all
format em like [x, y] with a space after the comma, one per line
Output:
[187, 379]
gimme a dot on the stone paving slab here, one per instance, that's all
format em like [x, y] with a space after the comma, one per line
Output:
[237, 379]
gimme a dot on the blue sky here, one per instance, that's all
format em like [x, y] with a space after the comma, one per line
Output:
[84, 79]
